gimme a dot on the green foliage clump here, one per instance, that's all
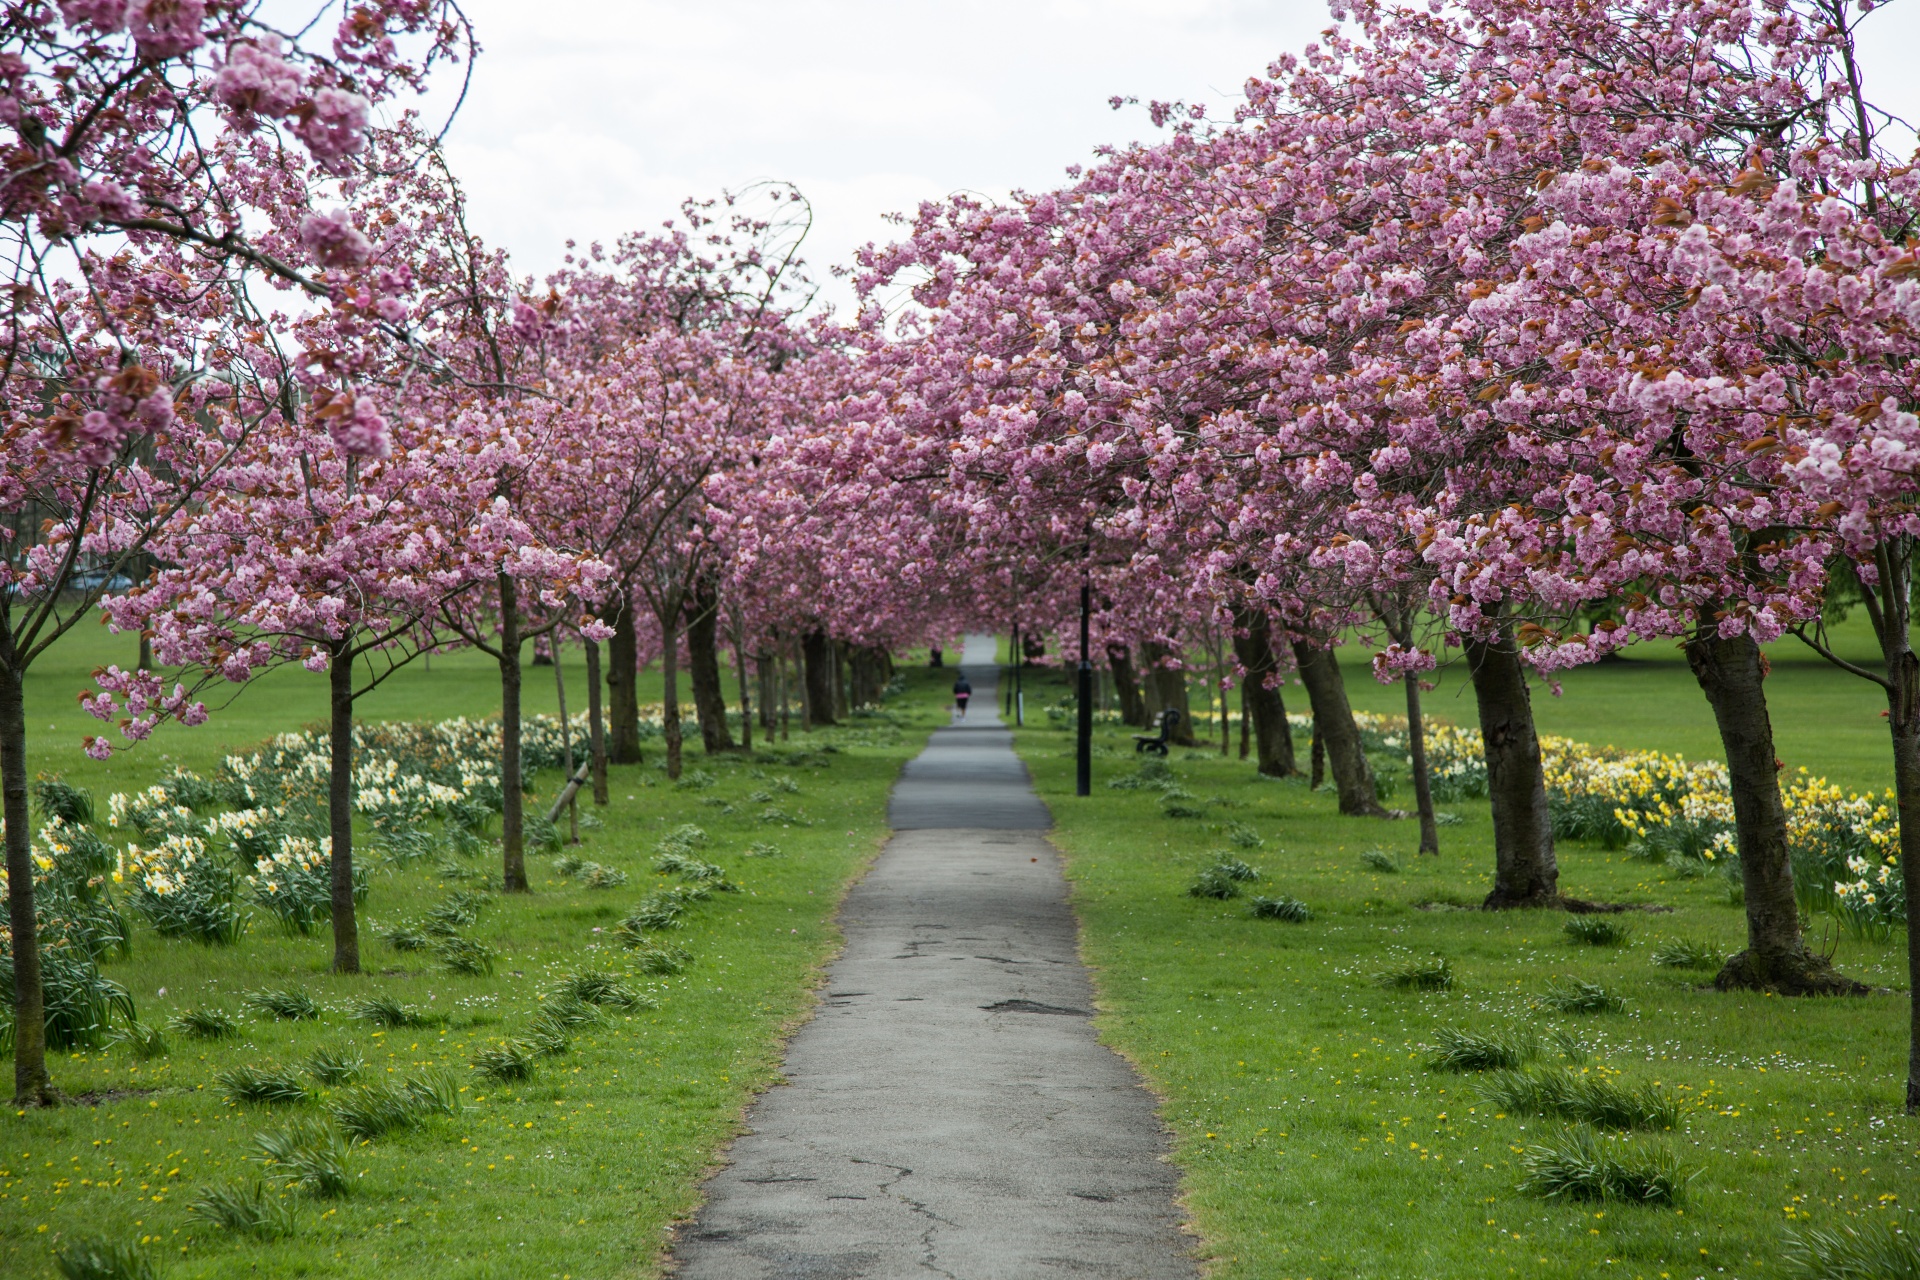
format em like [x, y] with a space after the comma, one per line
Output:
[761, 849]
[60, 799]
[334, 1065]
[1597, 930]
[371, 1110]
[1433, 974]
[247, 1083]
[204, 1022]
[1380, 860]
[142, 1040]
[1686, 953]
[663, 961]
[1291, 910]
[1574, 995]
[1242, 836]
[385, 1011]
[1872, 1249]
[1581, 1165]
[458, 910]
[464, 956]
[1591, 1099]
[92, 1259]
[592, 987]
[1222, 879]
[80, 1002]
[508, 1061]
[310, 1157]
[243, 1209]
[1457, 1050]
[286, 1003]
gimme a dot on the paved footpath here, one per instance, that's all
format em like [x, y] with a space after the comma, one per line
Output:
[948, 1111]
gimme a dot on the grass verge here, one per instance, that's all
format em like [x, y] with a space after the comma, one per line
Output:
[298, 1123]
[1328, 1125]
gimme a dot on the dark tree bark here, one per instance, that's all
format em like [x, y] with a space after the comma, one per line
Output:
[1317, 752]
[670, 701]
[623, 674]
[1398, 620]
[1526, 873]
[870, 674]
[817, 656]
[1253, 645]
[513, 853]
[746, 696]
[1167, 686]
[346, 928]
[1335, 733]
[1246, 722]
[766, 668]
[596, 727]
[566, 740]
[31, 1084]
[1422, 779]
[1125, 682]
[842, 708]
[703, 668]
[1776, 958]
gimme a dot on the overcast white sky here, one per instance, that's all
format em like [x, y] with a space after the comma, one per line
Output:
[592, 117]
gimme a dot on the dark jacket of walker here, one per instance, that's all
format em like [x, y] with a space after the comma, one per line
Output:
[961, 689]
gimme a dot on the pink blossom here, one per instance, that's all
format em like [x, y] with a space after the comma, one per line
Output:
[166, 28]
[335, 126]
[257, 79]
[333, 240]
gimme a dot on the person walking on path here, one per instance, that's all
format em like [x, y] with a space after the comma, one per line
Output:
[962, 690]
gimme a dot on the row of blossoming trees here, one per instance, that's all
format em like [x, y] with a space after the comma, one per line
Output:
[268, 400]
[1511, 332]
[1500, 333]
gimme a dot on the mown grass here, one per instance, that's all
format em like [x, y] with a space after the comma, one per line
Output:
[576, 1171]
[1329, 1126]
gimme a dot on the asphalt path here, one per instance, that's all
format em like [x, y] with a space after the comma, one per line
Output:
[948, 1110]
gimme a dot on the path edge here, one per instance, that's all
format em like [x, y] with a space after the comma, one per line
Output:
[1207, 1262]
[664, 1264]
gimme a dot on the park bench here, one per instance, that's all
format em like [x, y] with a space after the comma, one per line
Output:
[1158, 745]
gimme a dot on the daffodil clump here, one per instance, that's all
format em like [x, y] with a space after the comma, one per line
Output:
[1846, 846]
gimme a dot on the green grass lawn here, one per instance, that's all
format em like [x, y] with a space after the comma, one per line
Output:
[578, 1172]
[1314, 1140]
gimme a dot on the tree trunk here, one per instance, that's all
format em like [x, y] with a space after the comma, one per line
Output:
[146, 650]
[746, 696]
[623, 674]
[31, 1084]
[1254, 648]
[1317, 751]
[566, 738]
[1335, 733]
[1246, 721]
[1903, 718]
[670, 698]
[1417, 753]
[781, 677]
[817, 656]
[869, 665]
[842, 707]
[346, 928]
[1167, 686]
[513, 875]
[596, 728]
[765, 670]
[1526, 873]
[1776, 959]
[703, 667]
[1126, 686]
